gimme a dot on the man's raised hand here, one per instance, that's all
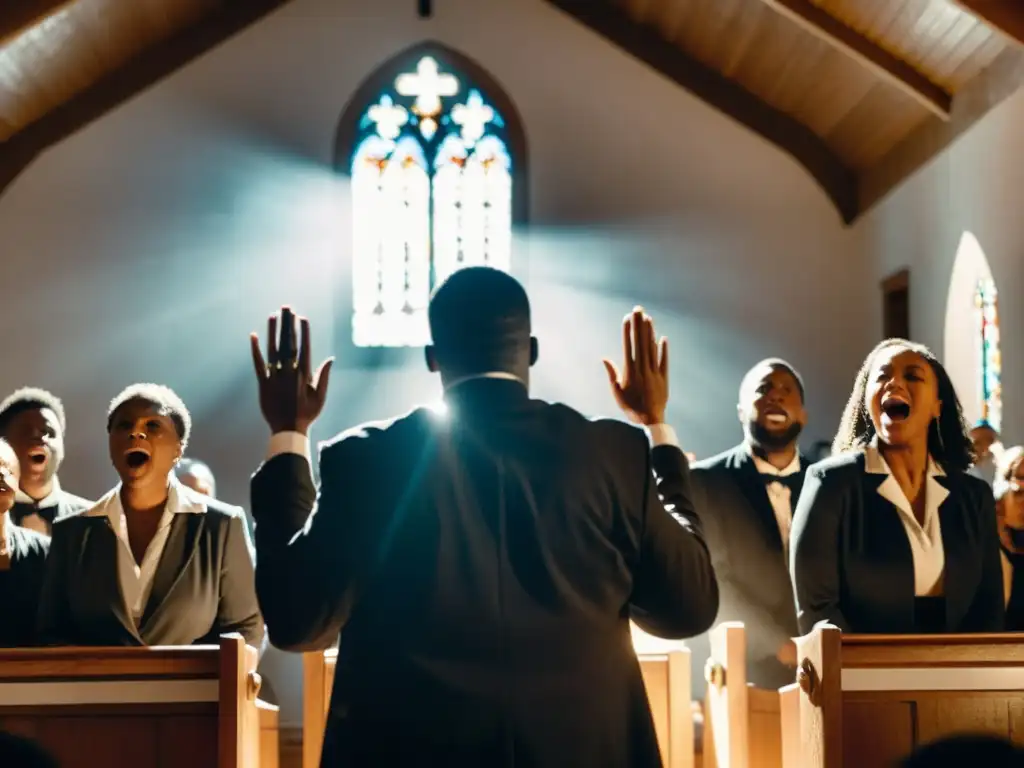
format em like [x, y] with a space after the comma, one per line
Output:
[291, 395]
[641, 387]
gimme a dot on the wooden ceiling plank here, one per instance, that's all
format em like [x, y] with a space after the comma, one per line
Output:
[18, 16]
[998, 81]
[884, 64]
[128, 81]
[723, 94]
[1004, 16]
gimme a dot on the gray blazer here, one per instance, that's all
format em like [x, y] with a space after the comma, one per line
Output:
[204, 584]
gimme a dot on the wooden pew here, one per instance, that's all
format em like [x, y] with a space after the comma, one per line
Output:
[189, 706]
[665, 666]
[871, 699]
[745, 726]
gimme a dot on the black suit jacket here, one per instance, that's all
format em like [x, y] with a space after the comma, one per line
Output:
[750, 562]
[852, 564]
[204, 584]
[481, 568]
[20, 585]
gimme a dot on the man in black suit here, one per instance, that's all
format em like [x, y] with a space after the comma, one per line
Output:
[481, 565]
[32, 420]
[746, 498]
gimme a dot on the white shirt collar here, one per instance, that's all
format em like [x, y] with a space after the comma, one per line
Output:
[766, 468]
[875, 463]
[925, 537]
[487, 375]
[180, 500]
[20, 497]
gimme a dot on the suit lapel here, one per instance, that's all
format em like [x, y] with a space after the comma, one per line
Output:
[175, 559]
[752, 485]
[99, 571]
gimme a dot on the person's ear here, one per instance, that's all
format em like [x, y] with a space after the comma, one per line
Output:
[534, 350]
[430, 355]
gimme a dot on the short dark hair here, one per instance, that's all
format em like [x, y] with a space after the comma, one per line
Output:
[772, 362]
[949, 442]
[30, 399]
[989, 751]
[480, 320]
[984, 424]
[164, 398]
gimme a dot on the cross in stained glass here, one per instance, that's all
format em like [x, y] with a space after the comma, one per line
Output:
[472, 117]
[388, 117]
[427, 85]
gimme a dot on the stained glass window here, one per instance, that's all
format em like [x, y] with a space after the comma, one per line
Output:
[987, 306]
[431, 192]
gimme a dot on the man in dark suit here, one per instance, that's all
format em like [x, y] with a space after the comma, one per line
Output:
[746, 498]
[480, 565]
[32, 420]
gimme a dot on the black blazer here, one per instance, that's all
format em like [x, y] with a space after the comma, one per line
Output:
[481, 569]
[204, 584]
[20, 584]
[852, 564]
[750, 562]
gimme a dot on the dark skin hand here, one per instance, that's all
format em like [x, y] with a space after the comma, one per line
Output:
[291, 395]
[641, 387]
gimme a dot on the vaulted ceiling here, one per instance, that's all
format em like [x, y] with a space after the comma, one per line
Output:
[861, 92]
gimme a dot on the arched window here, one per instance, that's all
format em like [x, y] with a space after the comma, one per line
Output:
[990, 368]
[435, 154]
[972, 340]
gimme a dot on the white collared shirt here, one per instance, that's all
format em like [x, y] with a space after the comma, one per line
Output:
[925, 539]
[33, 520]
[136, 580]
[53, 497]
[779, 494]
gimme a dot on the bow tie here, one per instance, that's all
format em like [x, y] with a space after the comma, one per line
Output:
[791, 481]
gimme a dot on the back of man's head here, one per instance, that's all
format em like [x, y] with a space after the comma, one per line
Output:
[19, 752]
[480, 323]
[965, 749]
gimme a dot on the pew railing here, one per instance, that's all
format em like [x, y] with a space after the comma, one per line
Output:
[745, 726]
[872, 699]
[123, 707]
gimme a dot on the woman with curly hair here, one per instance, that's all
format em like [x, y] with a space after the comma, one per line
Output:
[891, 535]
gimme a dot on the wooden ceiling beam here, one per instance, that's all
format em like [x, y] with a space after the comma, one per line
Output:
[128, 81]
[885, 65]
[997, 82]
[788, 134]
[1004, 16]
[18, 16]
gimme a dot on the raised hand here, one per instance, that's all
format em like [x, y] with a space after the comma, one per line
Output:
[641, 387]
[291, 396]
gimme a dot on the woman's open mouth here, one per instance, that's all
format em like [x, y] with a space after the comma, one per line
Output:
[37, 457]
[136, 458]
[895, 408]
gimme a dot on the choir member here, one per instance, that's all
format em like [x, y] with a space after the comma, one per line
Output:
[197, 475]
[32, 420]
[153, 562]
[745, 498]
[1008, 489]
[22, 561]
[892, 535]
